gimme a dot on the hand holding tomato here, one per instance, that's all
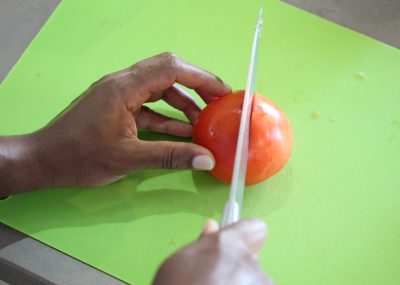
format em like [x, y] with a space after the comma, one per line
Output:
[95, 141]
[271, 136]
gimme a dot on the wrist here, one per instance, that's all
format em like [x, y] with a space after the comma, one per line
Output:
[20, 167]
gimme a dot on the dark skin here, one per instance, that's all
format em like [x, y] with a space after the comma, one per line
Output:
[95, 142]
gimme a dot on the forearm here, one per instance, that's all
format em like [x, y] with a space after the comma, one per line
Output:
[20, 166]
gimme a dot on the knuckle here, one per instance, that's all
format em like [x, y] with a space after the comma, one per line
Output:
[107, 78]
[107, 82]
[168, 159]
[169, 58]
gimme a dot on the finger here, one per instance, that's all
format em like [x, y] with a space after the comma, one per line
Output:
[178, 98]
[252, 232]
[149, 119]
[211, 226]
[171, 155]
[160, 72]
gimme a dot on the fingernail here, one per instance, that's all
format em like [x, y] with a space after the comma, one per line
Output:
[203, 162]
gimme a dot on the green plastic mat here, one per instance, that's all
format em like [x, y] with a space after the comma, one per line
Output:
[333, 212]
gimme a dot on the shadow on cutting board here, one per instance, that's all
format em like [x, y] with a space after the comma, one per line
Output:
[143, 194]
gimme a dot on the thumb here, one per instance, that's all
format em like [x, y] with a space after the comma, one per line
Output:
[252, 232]
[172, 155]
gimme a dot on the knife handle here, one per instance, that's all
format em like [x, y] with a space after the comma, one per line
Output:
[230, 214]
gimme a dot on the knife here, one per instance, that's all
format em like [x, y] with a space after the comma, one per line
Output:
[233, 207]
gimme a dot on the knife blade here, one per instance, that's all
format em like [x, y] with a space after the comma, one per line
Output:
[233, 207]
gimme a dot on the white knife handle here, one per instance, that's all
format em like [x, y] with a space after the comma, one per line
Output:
[231, 213]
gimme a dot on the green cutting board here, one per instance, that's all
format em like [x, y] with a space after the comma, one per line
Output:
[334, 210]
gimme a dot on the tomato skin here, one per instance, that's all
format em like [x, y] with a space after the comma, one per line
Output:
[271, 136]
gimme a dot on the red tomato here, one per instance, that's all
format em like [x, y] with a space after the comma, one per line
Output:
[271, 136]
